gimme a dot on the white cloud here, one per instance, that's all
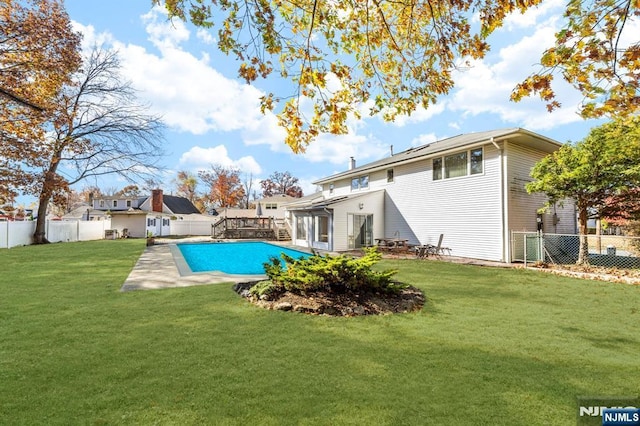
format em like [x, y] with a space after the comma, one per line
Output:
[421, 114]
[308, 188]
[337, 149]
[164, 33]
[198, 158]
[186, 91]
[424, 138]
[533, 15]
[205, 36]
[265, 131]
[486, 87]
[90, 37]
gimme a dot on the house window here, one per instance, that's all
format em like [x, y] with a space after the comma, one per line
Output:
[455, 165]
[322, 229]
[331, 187]
[476, 161]
[389, 175]
[458, 164]
[355, 183]
[128, 203]
[301, 228]
[360, 182]
[101, 203]
[271, 206]
[115, 203]
[437, 168]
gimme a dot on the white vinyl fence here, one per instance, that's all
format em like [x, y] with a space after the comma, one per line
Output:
[190, 227]
[13, 234]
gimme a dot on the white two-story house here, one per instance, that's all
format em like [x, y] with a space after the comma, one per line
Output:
[470, 187]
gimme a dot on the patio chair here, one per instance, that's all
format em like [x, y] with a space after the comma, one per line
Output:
[439, 249]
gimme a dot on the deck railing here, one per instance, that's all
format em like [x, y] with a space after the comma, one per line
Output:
[244, 228]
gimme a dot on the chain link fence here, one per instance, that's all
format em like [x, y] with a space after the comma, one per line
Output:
[610, 251]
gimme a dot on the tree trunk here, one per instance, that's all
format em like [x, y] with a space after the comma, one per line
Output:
[39, 236]
[583, 253]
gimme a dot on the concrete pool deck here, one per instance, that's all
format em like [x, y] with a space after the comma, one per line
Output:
[157, 269]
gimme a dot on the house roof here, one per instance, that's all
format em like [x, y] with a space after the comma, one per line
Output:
[308, 199]
[319, 202]
[81, 212]
[466, 140]
[279, 198]
[179, 205]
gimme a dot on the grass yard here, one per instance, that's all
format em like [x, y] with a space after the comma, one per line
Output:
[491, 346]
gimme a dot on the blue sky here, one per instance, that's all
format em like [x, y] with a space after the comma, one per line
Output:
[213, 118]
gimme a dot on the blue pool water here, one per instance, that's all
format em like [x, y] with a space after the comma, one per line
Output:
[244, 258]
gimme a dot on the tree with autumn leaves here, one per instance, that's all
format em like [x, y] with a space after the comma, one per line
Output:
[223, 186]
[395, 56]
[281, 183]
[601, 174]
[39, 52]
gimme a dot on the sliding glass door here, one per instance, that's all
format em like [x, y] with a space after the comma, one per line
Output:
[360, 230]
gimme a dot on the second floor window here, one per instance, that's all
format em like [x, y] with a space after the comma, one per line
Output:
[115, 203]
[360, 182]
[459, 164]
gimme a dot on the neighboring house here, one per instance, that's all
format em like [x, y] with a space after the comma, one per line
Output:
[85, 212]
[274, 206]
[269, 207]
[470, 187]
[143, 215]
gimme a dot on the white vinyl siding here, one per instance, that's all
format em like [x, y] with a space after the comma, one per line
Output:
[523, 206]
[372, 203]
[467, 211]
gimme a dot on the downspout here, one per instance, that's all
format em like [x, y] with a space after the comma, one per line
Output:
[503, 215]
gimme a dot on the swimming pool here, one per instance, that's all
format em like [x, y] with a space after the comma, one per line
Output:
[236, 258]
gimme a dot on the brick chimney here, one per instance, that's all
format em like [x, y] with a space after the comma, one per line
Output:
[156, 200]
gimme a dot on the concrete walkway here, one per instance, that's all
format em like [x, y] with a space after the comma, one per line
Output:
[156, 269]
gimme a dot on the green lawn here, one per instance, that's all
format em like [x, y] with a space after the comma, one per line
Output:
[491, 346]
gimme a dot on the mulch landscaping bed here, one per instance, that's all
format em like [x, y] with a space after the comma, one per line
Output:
[339, 304]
